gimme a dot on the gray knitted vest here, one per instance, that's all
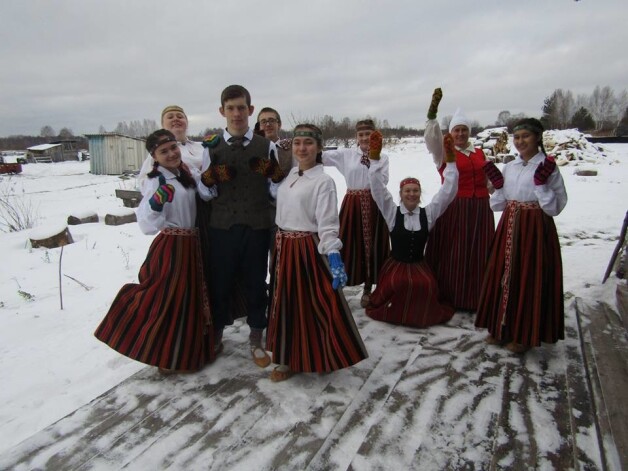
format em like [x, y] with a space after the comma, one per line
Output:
[245, 199]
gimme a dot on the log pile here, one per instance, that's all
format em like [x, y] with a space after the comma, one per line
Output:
[570, 145]
[494, 143]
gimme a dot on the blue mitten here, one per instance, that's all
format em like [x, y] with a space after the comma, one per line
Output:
[337, 270]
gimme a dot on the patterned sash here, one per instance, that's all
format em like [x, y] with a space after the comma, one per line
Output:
[367, 230]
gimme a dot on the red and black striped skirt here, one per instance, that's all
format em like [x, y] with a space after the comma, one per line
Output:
[458, 248]
[365, 237]
[522, 293]
[164, 320]
[311, 328]
[407, 294]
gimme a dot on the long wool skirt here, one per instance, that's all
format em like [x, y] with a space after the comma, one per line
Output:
[164, 320]
[365, 237]
[458, 248]
[522, 293]
[311, 328]
[407, 294]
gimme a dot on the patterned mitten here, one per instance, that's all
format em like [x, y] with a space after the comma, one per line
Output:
[437, 96]
[493, 174]
[268, 168]
[544, 170]
[450, 149]
[217, 174]
[163, 195]
[375, 145]
[337, 270]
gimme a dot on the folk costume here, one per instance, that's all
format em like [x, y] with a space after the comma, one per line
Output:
[363, 231]
[239, 228]
[311, 328]
[459, 243]
[522, 294]
[164, 320]
[407, 292]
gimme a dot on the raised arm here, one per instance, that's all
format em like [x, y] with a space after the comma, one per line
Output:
[433, 135]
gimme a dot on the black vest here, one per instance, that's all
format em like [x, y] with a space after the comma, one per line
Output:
[245, 199]
[408, 246]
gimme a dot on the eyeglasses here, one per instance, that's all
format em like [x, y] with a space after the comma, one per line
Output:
[264, 122]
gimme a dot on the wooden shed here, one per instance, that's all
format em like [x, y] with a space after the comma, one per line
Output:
[114, 154]
[45, 153]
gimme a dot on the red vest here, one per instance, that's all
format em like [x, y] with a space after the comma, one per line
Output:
[471, 177]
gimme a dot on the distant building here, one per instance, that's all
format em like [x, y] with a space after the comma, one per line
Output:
[115, 154]
[45, 153]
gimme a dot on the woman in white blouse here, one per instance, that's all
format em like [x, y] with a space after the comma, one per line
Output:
[164, 320]
[311, 328]
[407, 291]
[521, 302]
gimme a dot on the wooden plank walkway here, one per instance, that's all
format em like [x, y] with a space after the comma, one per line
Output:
[434, 399]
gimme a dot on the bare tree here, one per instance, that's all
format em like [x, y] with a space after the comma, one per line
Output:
[66, 133]
[47, 131]
[502, 118]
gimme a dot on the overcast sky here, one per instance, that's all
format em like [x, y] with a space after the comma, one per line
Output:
[85, 63]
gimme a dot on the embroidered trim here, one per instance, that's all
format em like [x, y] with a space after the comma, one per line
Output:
[514, 207]
[180, 231]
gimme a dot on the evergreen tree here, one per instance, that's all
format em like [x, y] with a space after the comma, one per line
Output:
[582, 120]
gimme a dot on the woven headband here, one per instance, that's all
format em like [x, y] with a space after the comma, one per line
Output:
[365, 127]
[528, 127]
[408, 180]
[313, 134]
[163, 141]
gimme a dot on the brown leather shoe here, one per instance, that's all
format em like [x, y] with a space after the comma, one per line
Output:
[517, 348]
[280, 373]
[260, 357]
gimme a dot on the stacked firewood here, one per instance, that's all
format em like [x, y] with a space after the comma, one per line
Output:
[570, 145]
[494, 143]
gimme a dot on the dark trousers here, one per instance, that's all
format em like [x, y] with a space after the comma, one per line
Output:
[239, 256]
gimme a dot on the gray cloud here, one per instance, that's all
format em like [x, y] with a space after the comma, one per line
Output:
[86, 63]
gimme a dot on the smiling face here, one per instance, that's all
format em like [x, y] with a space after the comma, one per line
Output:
[168, 155]
[304, 150]
[363, 139]
[526, 142]
[270, 124]
[177, 123]
[460, 133]
[237, 113]
[410, 195]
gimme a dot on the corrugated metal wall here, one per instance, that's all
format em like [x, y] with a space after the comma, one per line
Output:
[113, 154]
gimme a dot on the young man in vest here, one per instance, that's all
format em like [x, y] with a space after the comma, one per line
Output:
[240, 168]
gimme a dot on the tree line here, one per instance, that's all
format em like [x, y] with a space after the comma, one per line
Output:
[604, 111]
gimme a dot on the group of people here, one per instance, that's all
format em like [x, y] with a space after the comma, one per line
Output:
[223, 207]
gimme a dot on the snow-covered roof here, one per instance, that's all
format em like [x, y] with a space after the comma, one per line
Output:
[43, 147]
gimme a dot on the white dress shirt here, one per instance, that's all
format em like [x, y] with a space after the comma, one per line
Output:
[309, 203]
[347, 161]
[519, 186]
[433, 210]
[181, 212]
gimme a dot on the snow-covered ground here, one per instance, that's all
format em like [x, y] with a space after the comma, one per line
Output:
[51, 364]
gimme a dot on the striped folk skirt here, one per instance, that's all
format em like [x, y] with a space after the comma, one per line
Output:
[164, 320]
[458, 248]
[365, 237]
[311, 328]
[407, 294]
[522, 293]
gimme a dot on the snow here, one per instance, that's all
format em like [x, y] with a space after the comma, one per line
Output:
[52, 364]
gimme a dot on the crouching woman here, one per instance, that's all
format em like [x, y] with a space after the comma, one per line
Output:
[407, 291]
[311, 328]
